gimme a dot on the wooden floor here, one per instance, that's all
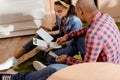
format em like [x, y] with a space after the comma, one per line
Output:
[10, 46]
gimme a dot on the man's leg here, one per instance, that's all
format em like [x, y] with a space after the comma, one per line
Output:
[37, 75]
[58, 66]
[80, 45]
[69, 50]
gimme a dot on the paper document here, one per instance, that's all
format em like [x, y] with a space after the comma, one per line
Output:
[53, 54]
[43, 44]
[40, 43]
[54, 45]
[44, 35]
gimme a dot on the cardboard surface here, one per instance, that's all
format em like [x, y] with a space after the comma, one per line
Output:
[88, 71]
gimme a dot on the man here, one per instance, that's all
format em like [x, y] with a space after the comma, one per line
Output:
[101, 36]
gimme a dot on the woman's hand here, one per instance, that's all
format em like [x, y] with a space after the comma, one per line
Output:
[61, 59]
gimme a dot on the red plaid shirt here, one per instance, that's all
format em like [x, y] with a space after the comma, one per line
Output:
[63, 24]
[101, 40]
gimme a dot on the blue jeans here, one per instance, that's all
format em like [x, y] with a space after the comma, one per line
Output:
[76, 46]
[39, 75]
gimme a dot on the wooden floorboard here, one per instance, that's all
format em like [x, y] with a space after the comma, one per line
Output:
[10, 46]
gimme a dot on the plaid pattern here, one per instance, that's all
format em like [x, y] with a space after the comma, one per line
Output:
[63, 24]
[102, 40]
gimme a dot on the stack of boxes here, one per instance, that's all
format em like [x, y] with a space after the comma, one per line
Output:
[20, 17]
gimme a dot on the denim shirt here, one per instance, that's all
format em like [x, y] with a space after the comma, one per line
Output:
[72, 23]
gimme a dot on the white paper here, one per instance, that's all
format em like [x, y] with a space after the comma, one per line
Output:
[44, 35]
[40, 43]
[53, 54]
[54, 45]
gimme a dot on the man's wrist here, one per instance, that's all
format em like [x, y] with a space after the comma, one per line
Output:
[66, 60]
[66, 37]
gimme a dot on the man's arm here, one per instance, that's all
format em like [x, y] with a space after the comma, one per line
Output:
[94, 47]
[72, 34]
[71, 61]
[77, 33]
[64, 59]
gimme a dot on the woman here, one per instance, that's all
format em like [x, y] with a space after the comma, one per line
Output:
[67, 21]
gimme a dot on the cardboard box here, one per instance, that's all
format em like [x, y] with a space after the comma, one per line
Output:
[110, 6]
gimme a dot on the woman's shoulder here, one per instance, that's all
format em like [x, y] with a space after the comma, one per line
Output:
[74, 18]
[75, 21]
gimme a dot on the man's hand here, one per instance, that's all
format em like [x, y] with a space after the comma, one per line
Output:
[61, 59]
[63, 44]
[61, 40]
